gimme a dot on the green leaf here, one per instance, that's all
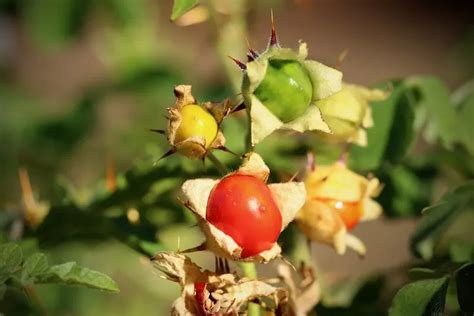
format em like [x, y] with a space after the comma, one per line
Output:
[466, 115]
[36, 264]
[439, 217]
[407, 188]
[392, 133]
[55, 22]
[10, 258]
[465, 288]
[425, 297]
[461, 251]
[443, 122]
[3, 289]
[403, 131]
[180, 7]
[72, 274]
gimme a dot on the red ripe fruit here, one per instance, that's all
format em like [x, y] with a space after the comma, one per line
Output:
[199, 288]
[243, 207]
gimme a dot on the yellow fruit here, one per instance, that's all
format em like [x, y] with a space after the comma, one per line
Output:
[196, 121]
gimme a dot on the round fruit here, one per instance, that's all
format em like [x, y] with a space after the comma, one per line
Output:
[350, 212]
[286, 89]
[243, 208]
[196, 121]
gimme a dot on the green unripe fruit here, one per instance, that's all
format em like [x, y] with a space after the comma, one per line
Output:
[286, 90]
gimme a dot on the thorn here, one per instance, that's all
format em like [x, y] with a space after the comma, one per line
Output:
[250, 57]
[241, 65]
[310, 164]
[340, 59]
[26, 190]
[186, 204]
[159, 131]
[251, 51]
[294, 176]
[287, 262]
[273, 37]
[345, 153]
[201, 247]
[238, 108]
[226, 266]
[227, 150]
[168, 153]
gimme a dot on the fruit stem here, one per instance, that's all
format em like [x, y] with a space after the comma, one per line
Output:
[219, 165]
[250, 271]
[298, 248]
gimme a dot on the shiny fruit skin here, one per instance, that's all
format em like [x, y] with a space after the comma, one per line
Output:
[242, 207]
[199, 289]
[196, 121]
[350, 212]
[286, 90]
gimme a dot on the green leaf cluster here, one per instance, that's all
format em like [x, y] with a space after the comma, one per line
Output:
[21, 272]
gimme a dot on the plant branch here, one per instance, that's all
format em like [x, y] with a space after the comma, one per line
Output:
[218, 164]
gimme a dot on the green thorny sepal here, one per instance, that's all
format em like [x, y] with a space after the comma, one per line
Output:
[280, 88]
[348, 113]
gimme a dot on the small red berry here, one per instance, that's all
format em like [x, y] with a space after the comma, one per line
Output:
[242, 207]
[199, 288]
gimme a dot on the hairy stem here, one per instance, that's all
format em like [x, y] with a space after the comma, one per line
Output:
[218, 164]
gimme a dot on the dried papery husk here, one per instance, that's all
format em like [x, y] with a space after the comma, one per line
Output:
[325, 82]
[195, 147]
[223, 293]
[320, 222]
[289, 198]
[348, 113]
[304, 288]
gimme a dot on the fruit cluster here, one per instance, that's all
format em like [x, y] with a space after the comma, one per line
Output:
[241, 215]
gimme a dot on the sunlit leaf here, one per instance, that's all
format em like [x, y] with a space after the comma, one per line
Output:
[36, 264]
[443, 121]
[180, 7]
[10, 259]
[72, 274]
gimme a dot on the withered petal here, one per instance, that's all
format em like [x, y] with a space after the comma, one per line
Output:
[196, 193]
[290, 198]
[254, 165]
[356, 244]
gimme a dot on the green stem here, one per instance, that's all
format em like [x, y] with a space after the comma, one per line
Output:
[299, 248]
[230, 35]
[219, 165]
[250, 271]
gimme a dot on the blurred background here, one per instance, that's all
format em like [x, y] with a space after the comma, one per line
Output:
[81, 81]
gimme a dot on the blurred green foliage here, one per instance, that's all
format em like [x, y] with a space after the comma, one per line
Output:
[422, 144]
